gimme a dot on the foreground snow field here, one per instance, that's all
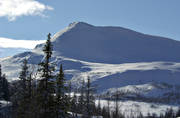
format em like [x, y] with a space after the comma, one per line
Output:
[132, 107]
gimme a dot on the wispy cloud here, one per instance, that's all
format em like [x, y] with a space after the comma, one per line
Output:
[11, 43]
[15, 8]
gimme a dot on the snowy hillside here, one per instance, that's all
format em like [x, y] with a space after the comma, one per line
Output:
[113, 57]
[4, 52]
[133, 77]
[112, 45]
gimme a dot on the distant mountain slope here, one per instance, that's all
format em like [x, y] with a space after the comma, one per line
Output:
[113, 57]
[113, 45]
[4, 52]
[148, 80]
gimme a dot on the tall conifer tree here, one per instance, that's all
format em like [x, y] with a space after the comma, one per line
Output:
[89, 102]
[1, 82]
[23, 77]
[4, 87]
[21, 95]
[62, 101]
[81, 100]
[46, 84]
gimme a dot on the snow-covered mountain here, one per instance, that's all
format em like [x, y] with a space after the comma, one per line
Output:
[113, 57]
[113, 45]
[4, 52]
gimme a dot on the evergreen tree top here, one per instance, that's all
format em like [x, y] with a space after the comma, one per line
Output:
[24, 72]
[49, 36]
[0, 71]
[48, 46]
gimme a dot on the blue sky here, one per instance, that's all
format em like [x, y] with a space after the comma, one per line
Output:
[35, 18]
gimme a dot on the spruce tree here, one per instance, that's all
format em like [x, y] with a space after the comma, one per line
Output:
[0, 71]
[22, 92]
[81, 100]
[30, 99]
[178, 112]
[30, 86]
[46, 83]
[116, 113]
[69, 88]
[62, 101]
[4, 87]
[5, 95]
[99, 106]
[108, 104]
[105, 113]
[1, 83]
[23, 77]
[89, 102]
[74, 108]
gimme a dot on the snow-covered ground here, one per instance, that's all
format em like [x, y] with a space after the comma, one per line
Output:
[4, 103]
[4, 106]
[150, 78]
[114, 58]
[133, 107]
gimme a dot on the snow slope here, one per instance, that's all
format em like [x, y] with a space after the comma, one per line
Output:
[105, 76]
[113, 57]
[134, 108]
[4, 52]
[112, 45]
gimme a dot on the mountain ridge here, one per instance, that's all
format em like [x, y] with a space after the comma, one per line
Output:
[102, 44]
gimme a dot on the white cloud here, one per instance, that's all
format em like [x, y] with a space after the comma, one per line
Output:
[11, 43]
[15, 8]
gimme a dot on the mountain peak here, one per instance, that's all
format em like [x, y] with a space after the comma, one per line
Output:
[72, 26]
[86, 42]
[79, 24]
